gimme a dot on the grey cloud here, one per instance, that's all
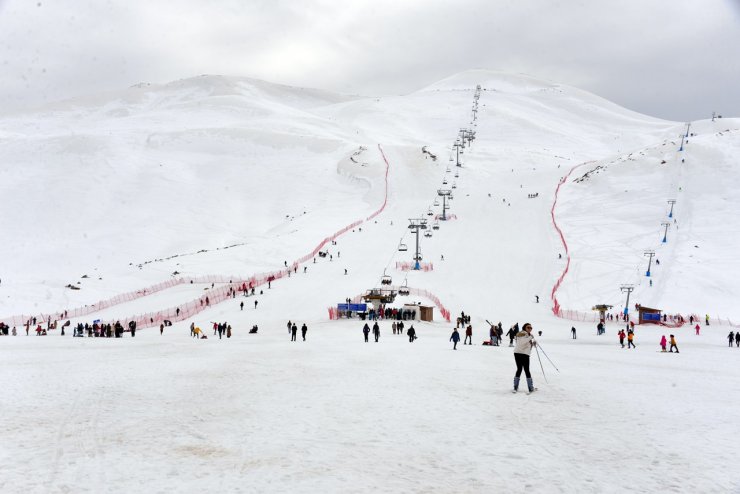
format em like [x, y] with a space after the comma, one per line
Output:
[674, 59]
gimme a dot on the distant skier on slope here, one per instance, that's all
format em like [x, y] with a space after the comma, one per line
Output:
[366, 332]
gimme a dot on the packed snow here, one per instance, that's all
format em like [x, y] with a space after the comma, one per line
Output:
[217, 178]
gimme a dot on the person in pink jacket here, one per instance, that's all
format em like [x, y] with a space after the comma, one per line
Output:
[663, 343]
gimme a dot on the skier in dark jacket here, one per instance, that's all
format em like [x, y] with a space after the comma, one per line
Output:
[454, 338]
[731, 337]
[411, 333]
[366, 331]
[293, 332]
[304, 330]
[511, 334]
[737, 339]
[376, 331]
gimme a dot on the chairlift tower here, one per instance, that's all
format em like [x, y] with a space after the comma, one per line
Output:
[671, 202]
[650, 254]
[444, 194]
[457, 147]
[629, 289]
[416, 224]
[666, 224]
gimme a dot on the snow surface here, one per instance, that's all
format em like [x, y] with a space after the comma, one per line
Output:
[127, 188]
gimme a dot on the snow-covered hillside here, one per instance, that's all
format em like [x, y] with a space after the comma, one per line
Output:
[229, 178]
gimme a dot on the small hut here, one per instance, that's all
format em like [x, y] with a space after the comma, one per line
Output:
[648, 315]
[427, 313]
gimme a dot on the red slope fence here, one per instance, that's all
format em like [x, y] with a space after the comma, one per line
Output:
[215, 296]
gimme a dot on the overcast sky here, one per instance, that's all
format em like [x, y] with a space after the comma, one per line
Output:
[675, 59]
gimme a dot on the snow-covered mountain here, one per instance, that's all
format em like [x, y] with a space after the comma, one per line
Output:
[99, 186]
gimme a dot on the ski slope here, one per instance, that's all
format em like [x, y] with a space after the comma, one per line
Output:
[227, 178]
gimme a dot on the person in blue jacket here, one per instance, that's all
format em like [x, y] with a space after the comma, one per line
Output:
[455, 338]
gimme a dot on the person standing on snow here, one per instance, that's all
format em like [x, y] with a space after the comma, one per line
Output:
[293, 332]
[524, 343]
[673, 344]
[454, 338]
[411, 334]
[697, 327]
[621, 337]
[376, 331]
[469, 335]
[304, 330]
[737, 338]
[663, 343]
[366, 332]
[573, 331]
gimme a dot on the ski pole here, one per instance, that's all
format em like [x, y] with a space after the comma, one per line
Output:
[548, 358]
[543, 369]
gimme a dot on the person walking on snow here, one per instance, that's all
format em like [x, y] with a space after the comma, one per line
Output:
[731, 337]
[304, 330]
[469, 335]
[511, 334]
[376, 331]
[697, 327]
[293, 332]
[454, 338]
[631, 339]
[242, 305]
[663, 343]
[255, 304]
[366, 331]
[737, 338]
[573, 331]
[524, 343]
[411, 333]
[621, 337]
[673, 344]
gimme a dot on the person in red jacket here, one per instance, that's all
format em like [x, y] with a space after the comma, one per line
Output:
[468, 335]
[621, 337]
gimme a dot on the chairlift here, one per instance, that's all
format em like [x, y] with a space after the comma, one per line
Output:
[448, 170]
[457, 175]
[430, 212]
[402, 247]
[385, 279]
[404, 290]
[444, 182]
[427, 234]
[454, 186]
[436, 202]
[436, 225]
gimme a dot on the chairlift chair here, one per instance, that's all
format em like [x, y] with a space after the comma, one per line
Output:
[427, 233]
[436, 225]
[385, 279]
[436, 202]
[454, 186]
[402, 247]
[404, 290]
[430, 212]
[444, 182]
[457, 175]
